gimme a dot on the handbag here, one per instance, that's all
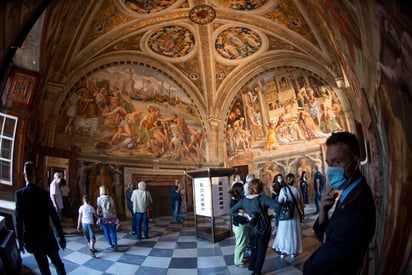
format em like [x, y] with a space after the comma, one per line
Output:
[149, 211]
[260, 223]
[287, 208]
[286, 211]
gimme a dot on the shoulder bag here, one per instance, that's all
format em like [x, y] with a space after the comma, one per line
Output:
[260, 222]
[287, 208]
[301, 212]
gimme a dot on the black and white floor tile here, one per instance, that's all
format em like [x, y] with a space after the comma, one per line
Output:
[172, 249]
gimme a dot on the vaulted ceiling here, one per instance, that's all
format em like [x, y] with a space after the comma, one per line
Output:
[209, 47]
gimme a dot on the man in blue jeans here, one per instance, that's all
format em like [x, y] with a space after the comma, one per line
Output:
[318, 185]
[176, 202]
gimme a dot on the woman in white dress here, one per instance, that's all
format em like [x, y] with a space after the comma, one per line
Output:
[288, 239]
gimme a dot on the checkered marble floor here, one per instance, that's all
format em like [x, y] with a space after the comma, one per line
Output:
[171, 249]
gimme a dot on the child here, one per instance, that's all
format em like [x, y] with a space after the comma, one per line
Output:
[86, 213]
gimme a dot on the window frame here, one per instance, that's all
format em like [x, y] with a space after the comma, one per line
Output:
[7, 135]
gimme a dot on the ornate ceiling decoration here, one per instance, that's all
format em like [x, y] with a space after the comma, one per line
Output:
[204, 44]
[202, 14]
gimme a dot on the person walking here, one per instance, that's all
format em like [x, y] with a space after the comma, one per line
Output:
[86, 223]
[55, 193]
[318, 186]
[106, 210]
[177, 202]
[141, 199]
[34, 209]
[239, 227]
[288, 239]
[129, 204]
[255, 203]
[346, 234]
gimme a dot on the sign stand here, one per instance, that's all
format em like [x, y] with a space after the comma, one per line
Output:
[212, 203]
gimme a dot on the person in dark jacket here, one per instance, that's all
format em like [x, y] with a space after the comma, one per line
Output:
[278, 183]
[177, 202]
[239, 227]
[346, 234]
[34, 209]
[304, 187]
[253, 204]
[129, 204]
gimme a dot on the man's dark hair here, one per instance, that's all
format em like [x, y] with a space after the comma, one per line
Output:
[30, 171]
[277, 175]
[346, 138]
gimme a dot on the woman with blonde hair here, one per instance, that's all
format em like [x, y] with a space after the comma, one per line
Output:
[253, 205]
[106, 210]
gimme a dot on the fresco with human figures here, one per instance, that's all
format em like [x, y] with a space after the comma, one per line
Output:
[282, 109]
[131, 112]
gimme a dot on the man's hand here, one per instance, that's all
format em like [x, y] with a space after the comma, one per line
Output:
[21, 247]
[62, 243]
[326, 203]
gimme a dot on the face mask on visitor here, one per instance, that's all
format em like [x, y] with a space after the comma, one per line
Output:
[336, 177]
[279, 180]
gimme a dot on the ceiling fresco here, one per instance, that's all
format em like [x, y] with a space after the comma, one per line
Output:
[171, 41]
[237, 43]
[144, 7]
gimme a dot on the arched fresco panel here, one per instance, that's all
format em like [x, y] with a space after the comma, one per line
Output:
[281, 110]
[131, 112]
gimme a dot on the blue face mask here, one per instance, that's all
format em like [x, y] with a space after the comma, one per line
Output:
[336, 177]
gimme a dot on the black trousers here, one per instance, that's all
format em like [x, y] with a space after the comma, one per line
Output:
[43, 263]
[258, 252]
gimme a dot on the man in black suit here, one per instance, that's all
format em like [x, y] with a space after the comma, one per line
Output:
[33, 209]
[346, 234]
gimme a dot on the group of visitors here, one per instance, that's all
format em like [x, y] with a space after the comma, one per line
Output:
[105, 216]
[344, 232]
[288, 239]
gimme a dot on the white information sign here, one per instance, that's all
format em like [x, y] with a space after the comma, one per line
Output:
[203, 196]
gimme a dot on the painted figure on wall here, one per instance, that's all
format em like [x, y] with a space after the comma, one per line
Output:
[279, 110]
[131, 111]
